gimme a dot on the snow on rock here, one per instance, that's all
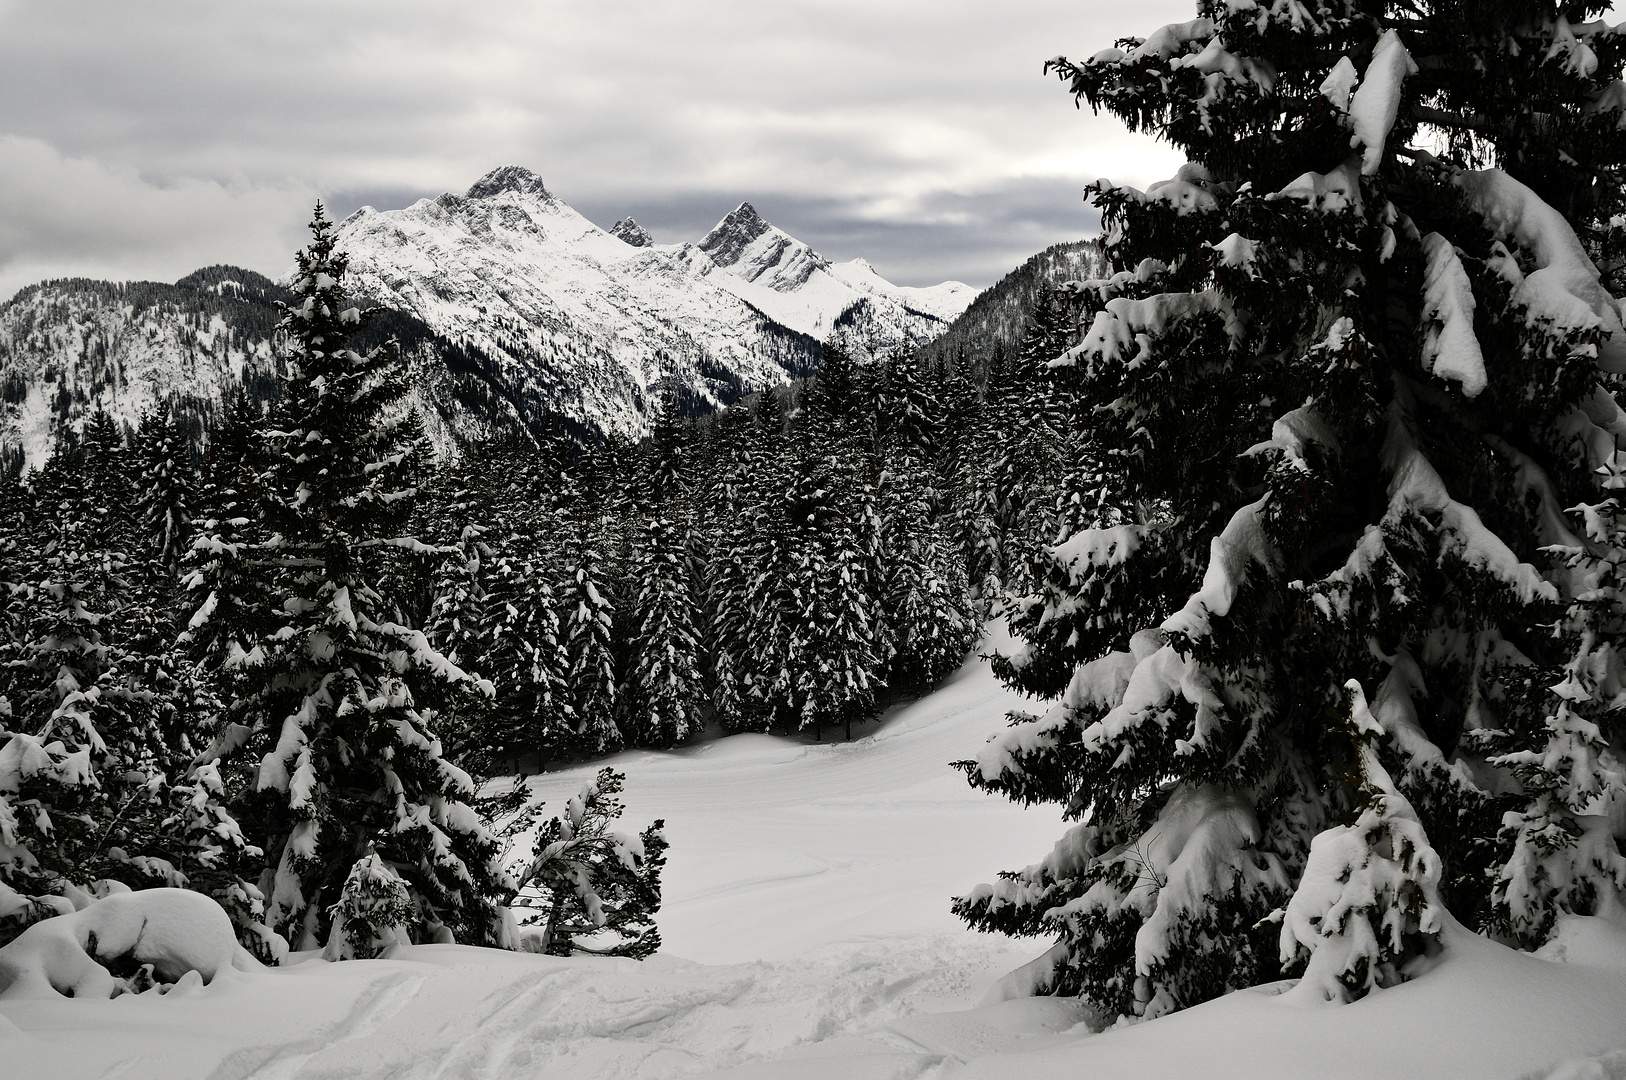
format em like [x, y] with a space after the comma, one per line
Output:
[774, 271]
[1376, 102]
[590, 320]
[1450, 346]
[630, 232]
[176, 931]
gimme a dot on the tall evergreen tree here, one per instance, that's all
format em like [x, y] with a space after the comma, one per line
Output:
[328, 706]
[663, 692]
[165, 483]
[586, 620]
[1349, 386]
[835, 667]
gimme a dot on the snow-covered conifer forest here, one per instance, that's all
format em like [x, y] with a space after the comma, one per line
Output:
[1237, 596]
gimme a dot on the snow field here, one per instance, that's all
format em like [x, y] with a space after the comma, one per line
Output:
[780, 846]
[808, 938]
[806, 902]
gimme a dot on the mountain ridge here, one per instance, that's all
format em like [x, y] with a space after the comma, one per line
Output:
[519, 313]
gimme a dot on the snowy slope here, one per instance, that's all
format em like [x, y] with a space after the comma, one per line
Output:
[808, 939]
[68, 348]
[799, 287]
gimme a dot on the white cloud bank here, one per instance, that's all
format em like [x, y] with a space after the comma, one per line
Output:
[75, 217]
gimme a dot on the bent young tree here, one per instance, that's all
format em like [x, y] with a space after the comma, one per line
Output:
[584, 879]
[1356, 373]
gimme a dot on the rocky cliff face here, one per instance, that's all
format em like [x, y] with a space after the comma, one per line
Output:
[631, 233]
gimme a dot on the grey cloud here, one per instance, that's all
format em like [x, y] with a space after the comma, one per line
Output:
[918, 134]
[63, 217]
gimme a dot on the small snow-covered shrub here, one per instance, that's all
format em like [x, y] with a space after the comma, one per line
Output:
[123, 943]
[584, 879]
[1369, 899]
[372, 914]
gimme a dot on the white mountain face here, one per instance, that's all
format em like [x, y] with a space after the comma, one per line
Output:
[516, 312]
[590, 321]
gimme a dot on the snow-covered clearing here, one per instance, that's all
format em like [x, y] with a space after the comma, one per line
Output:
[808, 936]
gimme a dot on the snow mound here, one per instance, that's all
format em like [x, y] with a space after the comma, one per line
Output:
[1611, 1066]
[124, 942]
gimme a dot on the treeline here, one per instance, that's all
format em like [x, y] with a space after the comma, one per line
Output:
[788, 564]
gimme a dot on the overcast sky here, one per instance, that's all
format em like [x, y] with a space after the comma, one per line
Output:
[147, 139]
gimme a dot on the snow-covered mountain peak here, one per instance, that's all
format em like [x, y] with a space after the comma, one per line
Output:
[515, 178]
[630, 232]
[747, 246]
[730, 237]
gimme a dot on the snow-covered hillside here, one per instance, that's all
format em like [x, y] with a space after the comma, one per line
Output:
[590, 320]
[68, 348]
[797, 286]
[808, 938]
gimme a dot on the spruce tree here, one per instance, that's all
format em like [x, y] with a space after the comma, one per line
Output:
[745, 464]
[833, 664]
[586, 626]
[96, 734]
[1352, 373]
[585, 879]
[165, 483]
[663, 692]
[327, 701]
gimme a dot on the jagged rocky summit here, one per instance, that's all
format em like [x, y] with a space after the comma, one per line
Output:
[519, 313]
[630, 232]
